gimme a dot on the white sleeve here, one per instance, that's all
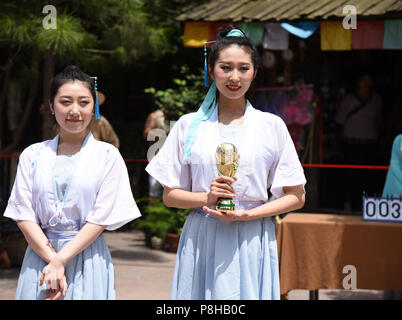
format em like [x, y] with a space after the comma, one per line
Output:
[115, 205]
[287, 170]
[168, 166]
[20, 202]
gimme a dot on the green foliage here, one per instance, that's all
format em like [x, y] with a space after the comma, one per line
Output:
[160, 219]
[68, 38]
[186, 97]
[134, 36]
[124, 30]
[17, 31]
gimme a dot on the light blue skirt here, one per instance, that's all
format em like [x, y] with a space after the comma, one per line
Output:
[90, 274]
[226, 260]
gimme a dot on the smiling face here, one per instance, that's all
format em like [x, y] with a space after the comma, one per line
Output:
[73, 107]
[233, 72]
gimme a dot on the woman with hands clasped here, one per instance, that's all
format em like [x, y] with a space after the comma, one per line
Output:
[229, 254]
[67, 191]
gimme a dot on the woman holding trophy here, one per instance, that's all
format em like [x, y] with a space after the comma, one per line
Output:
[221, 161]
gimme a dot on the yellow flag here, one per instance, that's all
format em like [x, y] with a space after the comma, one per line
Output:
[335, 37]
[196, 33]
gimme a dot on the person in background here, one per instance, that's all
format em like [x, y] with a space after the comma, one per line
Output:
[155, 120]
[360, 117]
[393, 188]
[393, 182]
[101, 129]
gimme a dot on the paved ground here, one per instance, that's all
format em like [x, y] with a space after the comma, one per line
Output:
[145, 274]
[141, 272]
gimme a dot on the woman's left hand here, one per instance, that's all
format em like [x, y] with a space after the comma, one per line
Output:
[55, 280]
[235, 215]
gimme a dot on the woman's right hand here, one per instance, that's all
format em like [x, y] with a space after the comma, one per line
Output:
[220, 188]
[53, 275]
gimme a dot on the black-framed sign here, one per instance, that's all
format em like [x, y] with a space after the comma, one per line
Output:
[382, 209]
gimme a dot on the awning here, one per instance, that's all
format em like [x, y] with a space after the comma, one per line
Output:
[369, 34]
[378, 22]
[289, 10]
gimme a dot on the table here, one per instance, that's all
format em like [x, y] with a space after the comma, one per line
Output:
[313, 250]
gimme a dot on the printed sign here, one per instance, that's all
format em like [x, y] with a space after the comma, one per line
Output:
[382, 209]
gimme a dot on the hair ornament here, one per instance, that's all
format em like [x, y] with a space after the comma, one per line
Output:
[97, 114]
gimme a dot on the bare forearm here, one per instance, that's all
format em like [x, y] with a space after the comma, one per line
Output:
[182, 199]
[84, 238]
[37, 240]
[288, 202]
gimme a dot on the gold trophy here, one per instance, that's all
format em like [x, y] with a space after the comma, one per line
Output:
[227, 161]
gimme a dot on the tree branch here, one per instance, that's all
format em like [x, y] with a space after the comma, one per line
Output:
[10, 62]
[98, 51]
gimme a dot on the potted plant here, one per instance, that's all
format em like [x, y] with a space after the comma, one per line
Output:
[154, 223]
[162, 224]
[156, 242]
[176, 223]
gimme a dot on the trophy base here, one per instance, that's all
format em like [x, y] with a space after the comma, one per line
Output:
[225, 204]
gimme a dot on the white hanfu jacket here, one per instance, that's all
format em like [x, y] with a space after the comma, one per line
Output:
[99, 191]
[268, 157]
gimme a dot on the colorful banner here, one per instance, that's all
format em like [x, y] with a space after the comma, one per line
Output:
[196, 33]
[303, 29]
[216, 28]
[375, 34]
[392, 34]
[254, 31]
[368, 35]
[335, 37]
[276, 37]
